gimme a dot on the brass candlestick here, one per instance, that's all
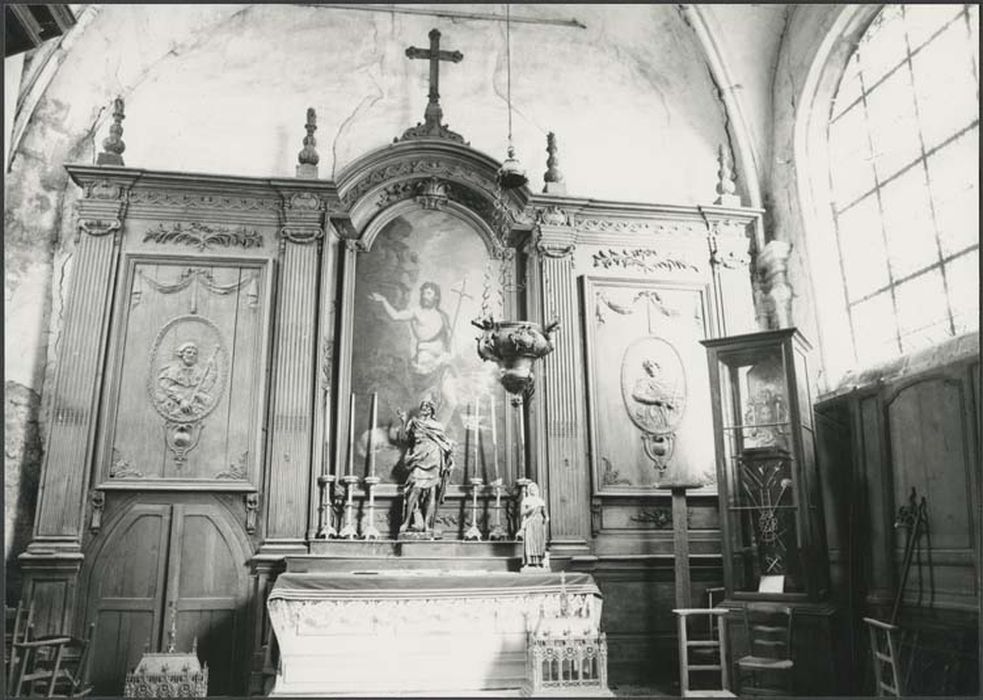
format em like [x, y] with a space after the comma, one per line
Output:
[349, 532]
[473, 533]
[498, 532]
[370, 531]
[326, 482]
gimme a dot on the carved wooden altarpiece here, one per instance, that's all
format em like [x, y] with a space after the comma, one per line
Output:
[216, 327]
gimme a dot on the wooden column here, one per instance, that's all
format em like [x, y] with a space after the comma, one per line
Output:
[295, 388]
[68, 452]
[562, 399]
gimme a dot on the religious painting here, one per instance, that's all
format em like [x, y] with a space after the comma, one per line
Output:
[185, 393]
[427, 275]
[649, 390]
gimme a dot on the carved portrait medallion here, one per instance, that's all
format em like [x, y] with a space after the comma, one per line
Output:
[653, 385]
[188, 367]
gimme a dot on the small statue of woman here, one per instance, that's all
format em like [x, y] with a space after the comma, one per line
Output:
[533, 528]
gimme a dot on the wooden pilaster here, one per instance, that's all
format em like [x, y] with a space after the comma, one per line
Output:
[565, 454]
[730, 253]
[295, 358]
[68, 452]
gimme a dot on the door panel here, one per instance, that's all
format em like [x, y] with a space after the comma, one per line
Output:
[207, 581]
[126, 589]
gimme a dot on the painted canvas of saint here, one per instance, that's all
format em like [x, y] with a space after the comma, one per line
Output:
[417, 289]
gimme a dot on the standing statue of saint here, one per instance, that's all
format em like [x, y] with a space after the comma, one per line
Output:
[428, 461]
[532, 530]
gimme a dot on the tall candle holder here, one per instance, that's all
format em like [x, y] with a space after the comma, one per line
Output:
[370, 531]
[325, 530]
[497, 532]
[349, 532]
[473, 532]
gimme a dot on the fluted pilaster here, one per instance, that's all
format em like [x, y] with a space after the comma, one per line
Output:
[563, 393]
[295, 388]
[68, 453]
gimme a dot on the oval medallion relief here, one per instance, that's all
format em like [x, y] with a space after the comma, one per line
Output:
[188, 367]
[653, 385]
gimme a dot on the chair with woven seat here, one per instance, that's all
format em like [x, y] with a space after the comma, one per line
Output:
[716, 647]
[767, 668]
[53, 666]
[17, 621]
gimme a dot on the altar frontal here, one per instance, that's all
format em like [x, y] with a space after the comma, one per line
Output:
[417, 632]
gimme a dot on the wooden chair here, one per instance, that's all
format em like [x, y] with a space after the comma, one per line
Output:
[717, 645]
[18, 621]
[769, 658]
[885, 655]
[54, 666]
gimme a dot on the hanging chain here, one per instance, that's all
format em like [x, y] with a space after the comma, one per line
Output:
[508, 65]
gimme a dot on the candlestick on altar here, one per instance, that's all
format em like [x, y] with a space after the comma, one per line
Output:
[498, 532]
[494, 432]
[477, 433]
[473, 532]
[326, 480]
[373, 421]
[370, 531]
[349, 532]
[326, 483]
[520, 408]
[351, 436]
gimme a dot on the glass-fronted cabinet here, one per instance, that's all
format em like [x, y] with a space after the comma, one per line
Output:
[771, 516]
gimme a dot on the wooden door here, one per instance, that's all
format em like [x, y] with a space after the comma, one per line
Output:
[207, 584]
[164, 562]
[126, 590]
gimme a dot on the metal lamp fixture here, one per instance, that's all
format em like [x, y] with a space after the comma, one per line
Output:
[511, 175]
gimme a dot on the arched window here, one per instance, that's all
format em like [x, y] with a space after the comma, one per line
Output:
[903, 168]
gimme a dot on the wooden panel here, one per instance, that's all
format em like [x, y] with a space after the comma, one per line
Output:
[877, 483]
[930, 452]
[186, 386]
[647, 378]
[50, 601]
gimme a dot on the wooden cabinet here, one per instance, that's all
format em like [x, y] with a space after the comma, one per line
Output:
[774, 546]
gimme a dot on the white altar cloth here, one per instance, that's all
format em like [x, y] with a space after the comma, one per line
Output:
[414, 632]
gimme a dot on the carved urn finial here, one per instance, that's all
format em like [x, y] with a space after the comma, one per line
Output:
[308, 156]
[553, 177]
[726, 188]
[113, 145]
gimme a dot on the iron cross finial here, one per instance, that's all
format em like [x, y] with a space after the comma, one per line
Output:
[431, 126]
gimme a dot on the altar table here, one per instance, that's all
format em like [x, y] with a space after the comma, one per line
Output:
[415, 632]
